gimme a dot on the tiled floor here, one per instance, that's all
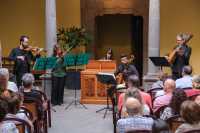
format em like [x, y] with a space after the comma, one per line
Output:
[79, 120]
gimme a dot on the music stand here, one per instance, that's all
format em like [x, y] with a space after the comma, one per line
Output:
[42, 64]
[160, 62]
[75, 61]
[108, 79]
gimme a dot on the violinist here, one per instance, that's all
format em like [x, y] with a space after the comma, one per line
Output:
[180, 56]
[126, 68]
[58, 76]
[22, 56]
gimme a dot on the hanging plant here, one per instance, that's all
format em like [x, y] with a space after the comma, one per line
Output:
[69, 38]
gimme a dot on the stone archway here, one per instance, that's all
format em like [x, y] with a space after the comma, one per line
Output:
[92, 8]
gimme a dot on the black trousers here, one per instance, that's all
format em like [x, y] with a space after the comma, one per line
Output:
[57, 93]
[176, 75]
[19, 78]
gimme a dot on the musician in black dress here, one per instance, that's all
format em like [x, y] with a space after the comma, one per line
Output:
[22, 56]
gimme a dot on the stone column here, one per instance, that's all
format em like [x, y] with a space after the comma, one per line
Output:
[51, 39]
[153, 40]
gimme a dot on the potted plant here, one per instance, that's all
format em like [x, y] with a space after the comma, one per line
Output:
[74, 37]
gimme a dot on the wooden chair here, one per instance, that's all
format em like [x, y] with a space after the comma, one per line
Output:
[152, 92]
[26, 111]
[21, 125]
[47, 113]
[33, 105]
[193, 131]
[7, 63]
[174, 122]
[138, 131]
[160, 111]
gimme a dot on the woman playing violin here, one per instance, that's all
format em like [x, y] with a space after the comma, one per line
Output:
[58, 77]
[22, 56]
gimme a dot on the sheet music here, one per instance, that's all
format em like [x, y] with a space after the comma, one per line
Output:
[106, 73]
[121, 86]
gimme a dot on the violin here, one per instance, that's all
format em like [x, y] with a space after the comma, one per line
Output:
[34, 49]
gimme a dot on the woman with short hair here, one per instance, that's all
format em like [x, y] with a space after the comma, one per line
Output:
[6, 127]
[190, 112]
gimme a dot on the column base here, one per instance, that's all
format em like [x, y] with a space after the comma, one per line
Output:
[149, 79]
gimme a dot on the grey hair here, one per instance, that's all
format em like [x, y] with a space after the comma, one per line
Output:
[4, 72]
[28, 79]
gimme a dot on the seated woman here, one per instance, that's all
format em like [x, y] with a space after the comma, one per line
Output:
[109, 55]
[135, 94]
[178, 97]
[28, 91]
[14, 103]
[6, 127]
[133, 85]
[190, 112]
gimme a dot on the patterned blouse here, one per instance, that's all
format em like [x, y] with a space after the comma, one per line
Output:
[167, 113]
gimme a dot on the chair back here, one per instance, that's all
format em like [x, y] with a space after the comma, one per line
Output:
[174, 122]
[33, 105]
[193, 131]
[152, 92]
[20, 124]
[26, 111]
[187, 88]
[138, 131]
[160, 111]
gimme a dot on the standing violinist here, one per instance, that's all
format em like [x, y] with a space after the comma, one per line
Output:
[180, 56]
[58, 76]
[22, 56]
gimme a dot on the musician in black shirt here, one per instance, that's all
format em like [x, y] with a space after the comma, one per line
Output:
[22, 57]
[181, 57]
[126, 68]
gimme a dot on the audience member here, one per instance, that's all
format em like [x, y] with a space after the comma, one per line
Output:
[135, 94]
[190, 112]
[186, 80]
[14, 103]
[160, 82]
[169, 87]
[133, 83]
[6, 127]
[135, 119]
[196, 82]
[195, 85]
[28, 91]
[4, 81]
[178, 98]
[197, 100]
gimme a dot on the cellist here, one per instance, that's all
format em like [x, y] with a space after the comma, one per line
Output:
[180, 56]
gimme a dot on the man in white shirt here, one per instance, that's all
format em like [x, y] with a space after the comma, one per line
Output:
[186, 80]
[4, 81]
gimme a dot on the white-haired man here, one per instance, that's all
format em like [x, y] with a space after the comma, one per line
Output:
[135, 120]
[4, 81]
